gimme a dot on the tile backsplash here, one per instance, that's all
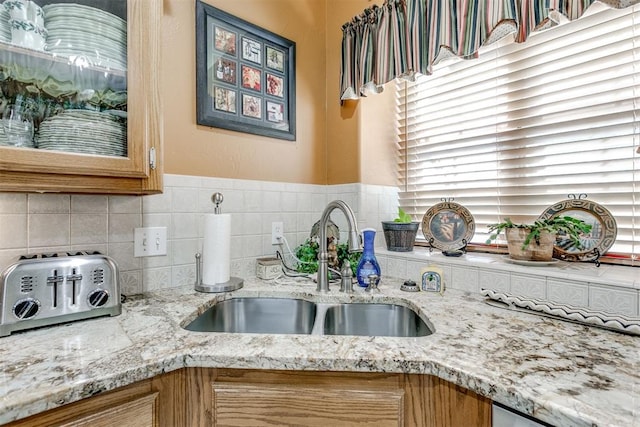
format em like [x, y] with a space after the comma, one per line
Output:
[41, 223]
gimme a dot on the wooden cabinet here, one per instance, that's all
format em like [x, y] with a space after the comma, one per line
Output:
[132, 406]
[211, 397]
[203, 397]
[140, 172]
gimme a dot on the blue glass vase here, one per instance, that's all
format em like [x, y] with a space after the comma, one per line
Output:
[368, 263]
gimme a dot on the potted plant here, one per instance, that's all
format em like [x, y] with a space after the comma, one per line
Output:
[535, 242]
[307, 254]
[400, 234]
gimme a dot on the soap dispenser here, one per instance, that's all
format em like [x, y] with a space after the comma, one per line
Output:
[368, 264]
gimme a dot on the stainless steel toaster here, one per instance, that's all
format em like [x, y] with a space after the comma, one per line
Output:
[46, 289]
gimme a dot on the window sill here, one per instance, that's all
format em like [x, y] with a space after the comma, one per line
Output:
[605, 275]
[609, 288]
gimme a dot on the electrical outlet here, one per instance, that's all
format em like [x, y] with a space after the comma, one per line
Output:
[277, 233]
[150, 241]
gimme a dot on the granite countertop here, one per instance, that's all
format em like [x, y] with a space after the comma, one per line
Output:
[559, 372]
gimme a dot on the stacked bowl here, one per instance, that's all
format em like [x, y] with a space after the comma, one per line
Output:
[26, 23]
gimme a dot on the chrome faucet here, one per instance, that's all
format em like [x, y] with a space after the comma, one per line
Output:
[354, 240]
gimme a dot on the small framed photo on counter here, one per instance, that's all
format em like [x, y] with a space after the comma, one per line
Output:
[245, 76]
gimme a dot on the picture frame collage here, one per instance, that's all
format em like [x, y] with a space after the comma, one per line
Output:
[245, 76]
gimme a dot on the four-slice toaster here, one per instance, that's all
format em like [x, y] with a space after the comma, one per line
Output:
[46, 289]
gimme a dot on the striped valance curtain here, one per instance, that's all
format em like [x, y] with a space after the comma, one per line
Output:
[405, 37]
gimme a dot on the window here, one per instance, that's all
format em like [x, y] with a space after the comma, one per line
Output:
[524, 125]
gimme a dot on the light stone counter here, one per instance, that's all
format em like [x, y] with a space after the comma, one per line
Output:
[562, 373]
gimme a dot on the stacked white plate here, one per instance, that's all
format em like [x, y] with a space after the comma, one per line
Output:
[5, 28]
[3, 138]
[84, 131]
[84, 33]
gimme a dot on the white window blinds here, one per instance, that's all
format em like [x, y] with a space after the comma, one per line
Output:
[519, 128]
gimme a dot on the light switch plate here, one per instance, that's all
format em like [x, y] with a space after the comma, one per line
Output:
[150, 241]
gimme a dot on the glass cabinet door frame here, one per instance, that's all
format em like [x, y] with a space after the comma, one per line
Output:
[27, 170]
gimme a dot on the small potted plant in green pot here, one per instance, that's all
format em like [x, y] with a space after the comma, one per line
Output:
[535, 242]
[400, 234]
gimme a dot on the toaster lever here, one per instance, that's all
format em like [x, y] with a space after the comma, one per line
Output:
[73, 278]
[54, 281]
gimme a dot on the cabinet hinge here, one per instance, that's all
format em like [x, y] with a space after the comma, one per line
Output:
[152, 158]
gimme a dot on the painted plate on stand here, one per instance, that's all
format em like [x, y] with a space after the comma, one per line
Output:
[603, 229]
[448, 226]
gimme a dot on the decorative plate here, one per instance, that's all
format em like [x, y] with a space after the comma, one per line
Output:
[448, 226]
[597, 242]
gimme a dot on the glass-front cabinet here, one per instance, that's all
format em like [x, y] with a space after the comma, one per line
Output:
[79, 96]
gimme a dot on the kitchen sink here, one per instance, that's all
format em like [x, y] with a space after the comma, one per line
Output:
[262, 315]
[257, 315]
[389, 320]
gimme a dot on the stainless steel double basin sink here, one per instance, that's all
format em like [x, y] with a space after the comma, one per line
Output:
[263, 315]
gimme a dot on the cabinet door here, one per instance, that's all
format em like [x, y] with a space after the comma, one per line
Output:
[239, 397]
[139, 412]
[131, 406]
[64, 162]
[292, 404]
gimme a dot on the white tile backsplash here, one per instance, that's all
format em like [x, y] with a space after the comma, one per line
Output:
[396, 267]
[49, 204]
[531, 286]
[156, 203]
[183, 275]
[49, 229]
[465, 279]
[613, 300]
[184, 226]
[13, 203]
[183, 251]
[13, 231]
[35, 223]
[131, 282]
[489, 279]
[567, 292]
[89, 204]
[125, 204]
[184, 199]
[122, 225]
[87, 229]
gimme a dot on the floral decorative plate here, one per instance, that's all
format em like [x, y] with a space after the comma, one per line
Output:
[597, 242]
[448, 226]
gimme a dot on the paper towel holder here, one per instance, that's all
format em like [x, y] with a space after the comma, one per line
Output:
[233, 284]
[217, 199]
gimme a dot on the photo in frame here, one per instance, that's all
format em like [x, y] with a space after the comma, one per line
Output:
[245, 76]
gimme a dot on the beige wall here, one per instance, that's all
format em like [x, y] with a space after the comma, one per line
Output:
[361, 131]
[329, 145]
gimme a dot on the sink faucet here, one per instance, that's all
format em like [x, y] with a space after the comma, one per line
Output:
[323, 257]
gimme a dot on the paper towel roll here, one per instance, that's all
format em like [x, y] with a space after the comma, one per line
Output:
[216, 249]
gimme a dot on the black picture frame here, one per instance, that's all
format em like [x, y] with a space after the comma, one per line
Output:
[245, 76]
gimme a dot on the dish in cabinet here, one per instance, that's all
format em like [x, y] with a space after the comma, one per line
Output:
[81, 67]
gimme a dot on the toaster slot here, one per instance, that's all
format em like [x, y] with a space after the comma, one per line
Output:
[53, 281]
[75, 279]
